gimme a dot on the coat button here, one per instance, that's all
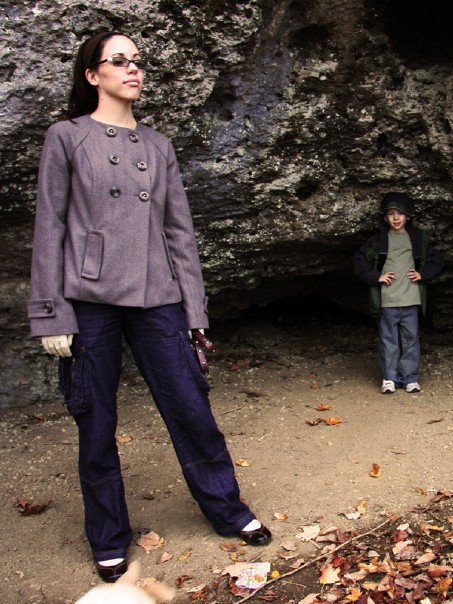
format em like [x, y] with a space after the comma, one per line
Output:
[133, 137]
[48, 308]
[114, 159]
[110, 132]
[115, 192]
[144, 196]
[141, 166]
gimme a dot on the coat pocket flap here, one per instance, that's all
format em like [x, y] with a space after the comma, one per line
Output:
[93, 255]
[41, 309]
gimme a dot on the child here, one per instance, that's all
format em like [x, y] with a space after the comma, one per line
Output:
[397, 262]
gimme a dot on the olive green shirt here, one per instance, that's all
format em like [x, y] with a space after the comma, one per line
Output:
[399, 260]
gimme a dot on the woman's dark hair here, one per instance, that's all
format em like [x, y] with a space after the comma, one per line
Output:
[83, 97]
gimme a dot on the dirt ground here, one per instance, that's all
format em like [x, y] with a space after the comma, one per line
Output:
[268, 378]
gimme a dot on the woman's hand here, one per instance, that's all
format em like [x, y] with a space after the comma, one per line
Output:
[60, 346]
[387, 278]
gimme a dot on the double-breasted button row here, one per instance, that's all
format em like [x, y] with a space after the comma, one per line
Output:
[115, 160]
[111, 132]
[115, 192]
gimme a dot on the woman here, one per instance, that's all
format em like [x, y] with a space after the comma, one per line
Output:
[114, 253]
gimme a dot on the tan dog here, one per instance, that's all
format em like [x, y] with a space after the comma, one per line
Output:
[125, 591]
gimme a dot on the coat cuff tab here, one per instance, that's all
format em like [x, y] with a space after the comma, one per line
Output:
[41, 309]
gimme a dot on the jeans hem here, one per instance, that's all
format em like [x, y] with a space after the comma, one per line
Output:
[115, 553]
[230, 530]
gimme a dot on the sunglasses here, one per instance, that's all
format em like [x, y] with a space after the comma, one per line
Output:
[119, 61]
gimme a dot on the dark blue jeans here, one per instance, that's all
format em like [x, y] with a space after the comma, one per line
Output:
[399, 346]
[166, 359]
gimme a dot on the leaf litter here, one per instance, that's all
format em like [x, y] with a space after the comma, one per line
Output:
[393, 562]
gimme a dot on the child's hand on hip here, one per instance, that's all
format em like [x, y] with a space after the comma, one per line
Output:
[387, 278]
[413, 275]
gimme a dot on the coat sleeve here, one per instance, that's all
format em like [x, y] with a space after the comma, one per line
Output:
[180, 235]
[49, 312]
[433, 264]
[363, 268]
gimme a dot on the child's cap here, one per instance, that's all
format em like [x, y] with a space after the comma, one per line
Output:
[397, 201]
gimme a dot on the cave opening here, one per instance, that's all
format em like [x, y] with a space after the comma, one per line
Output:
[313, 309]
[420, 31]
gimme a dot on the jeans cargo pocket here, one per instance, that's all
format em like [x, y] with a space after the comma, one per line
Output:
[75, 382]
[192, 362]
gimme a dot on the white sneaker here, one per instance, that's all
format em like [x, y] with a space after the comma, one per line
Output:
[414, 387]
[388, 387]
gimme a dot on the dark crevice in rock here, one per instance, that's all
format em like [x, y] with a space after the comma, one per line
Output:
[421, 31]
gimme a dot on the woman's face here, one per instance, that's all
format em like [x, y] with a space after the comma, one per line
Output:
[117, 83]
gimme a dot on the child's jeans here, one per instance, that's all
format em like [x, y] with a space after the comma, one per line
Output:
[399, 346]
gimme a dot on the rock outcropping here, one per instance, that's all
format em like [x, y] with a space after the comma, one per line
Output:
[290, 119]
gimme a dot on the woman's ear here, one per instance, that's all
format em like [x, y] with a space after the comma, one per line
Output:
[91, 76]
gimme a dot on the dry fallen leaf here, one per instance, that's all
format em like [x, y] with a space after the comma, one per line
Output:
[280, 516]
[150, 541]
[197, 592]
[426, 528]
[375, 471]
[436, 570]
[186, 554]
[166, 556]
[421, 491]
[443, 585]
[354, 594]
[333, 421]
[428, 557]
[243, 463]
[352, 515]
[290, 546]
[361, 506]
[323, 407]
[239, 364]
[435, 421]
[356, 576]
[314, 422]
[124, 438]
[227, 546]
[310, 599]
[268, 596]
[181, 580]
[368, 568]
[329, 574]
[308, 532]
[27, 508]
[287, 555]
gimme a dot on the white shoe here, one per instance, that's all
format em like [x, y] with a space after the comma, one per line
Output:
[388, 387]
[414, 387]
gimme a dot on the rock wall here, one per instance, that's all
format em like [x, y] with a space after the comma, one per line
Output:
[290, 119]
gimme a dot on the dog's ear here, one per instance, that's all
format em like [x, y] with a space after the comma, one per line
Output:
[159, 591]
[132, 575]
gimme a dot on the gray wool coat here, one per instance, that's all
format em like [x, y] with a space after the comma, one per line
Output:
[113, 226]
